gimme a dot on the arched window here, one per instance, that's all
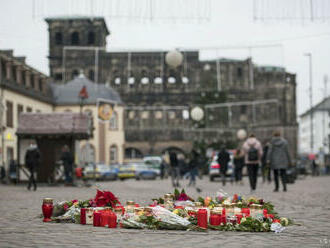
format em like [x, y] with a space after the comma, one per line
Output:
[91, 38]
[113, 124]
[133, 153]
[75, 38]
[91, 75]
[87, 154]
[113, 154]
[58, 38]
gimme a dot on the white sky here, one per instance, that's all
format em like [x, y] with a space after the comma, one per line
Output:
[231, 24]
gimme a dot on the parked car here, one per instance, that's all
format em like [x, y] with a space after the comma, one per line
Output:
[153, 162]
[102, 172]
[214, 167]
[138, 170]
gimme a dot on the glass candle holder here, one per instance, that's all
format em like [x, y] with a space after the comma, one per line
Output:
[47, 209]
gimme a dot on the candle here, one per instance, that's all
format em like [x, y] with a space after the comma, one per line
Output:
[202, 218]
[215, 219]
[47, 209]
[112, 220]
[96, 218]
[104, 218]
[246, 212]
[83, 216]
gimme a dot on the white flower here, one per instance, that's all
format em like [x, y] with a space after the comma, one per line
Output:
[277, 227]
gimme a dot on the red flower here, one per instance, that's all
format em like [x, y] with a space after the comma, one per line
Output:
[105, 198]
[74, 201]
[65, 207]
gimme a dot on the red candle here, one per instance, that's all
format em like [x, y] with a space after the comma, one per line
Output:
[47, 209]
[178, 207]
[112, 220]
[83, 216]
[137, 205]
[265, 212]
[104, 218]
[202, 218]
[96, 218]
[215, 219]
[223, 211]
[246, 212]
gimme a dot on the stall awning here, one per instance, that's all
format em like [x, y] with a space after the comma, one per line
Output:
[77, 125]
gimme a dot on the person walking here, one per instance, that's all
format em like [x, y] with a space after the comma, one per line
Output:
[175, 170]
[265, 170]
[279, 159]
[32, 158]
[223, 160]
[253, 153]
[67, 160]
[193, 168]
[239, 165]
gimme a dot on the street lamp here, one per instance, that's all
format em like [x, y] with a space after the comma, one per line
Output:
[309, 55]
[241, 134]
[174, 58]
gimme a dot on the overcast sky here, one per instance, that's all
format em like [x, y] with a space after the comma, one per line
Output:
[230, 23]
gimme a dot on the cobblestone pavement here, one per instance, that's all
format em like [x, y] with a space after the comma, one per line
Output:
[307, 202]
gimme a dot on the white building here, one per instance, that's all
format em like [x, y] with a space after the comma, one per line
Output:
[321, 129]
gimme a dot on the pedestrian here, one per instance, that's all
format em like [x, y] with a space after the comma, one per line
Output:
[279, 159]
[3, 174]
[253, 153]
[32, 158]
[162, 167]
[175, 170]
[223, 160]
[239, 165]
[265, 170]
[13, 171]
[315, 167]
[67, 160]
[193, 168]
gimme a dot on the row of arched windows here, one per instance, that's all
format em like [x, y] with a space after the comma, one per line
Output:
[75, 38]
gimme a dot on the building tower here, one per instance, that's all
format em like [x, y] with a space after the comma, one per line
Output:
[74, 44]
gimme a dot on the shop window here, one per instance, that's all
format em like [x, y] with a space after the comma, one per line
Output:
[20, 109]
[28, 109]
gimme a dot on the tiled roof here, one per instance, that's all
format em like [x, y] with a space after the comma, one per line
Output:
[54, 124]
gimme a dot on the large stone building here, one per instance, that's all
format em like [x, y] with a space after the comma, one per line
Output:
[24, 89]
[234, 94]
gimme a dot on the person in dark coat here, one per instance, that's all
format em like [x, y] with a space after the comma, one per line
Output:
[193, 167]
[32, 158]
[279, 159]
[265, 170]
[175, 170]
[223, 160]
[67, 160]
[239, 165]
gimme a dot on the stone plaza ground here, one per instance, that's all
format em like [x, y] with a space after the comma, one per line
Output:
[307, 202]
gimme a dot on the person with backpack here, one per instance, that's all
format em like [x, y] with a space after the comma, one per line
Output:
[279, 159]
[32, 157]
[223, 160]
[253, 152]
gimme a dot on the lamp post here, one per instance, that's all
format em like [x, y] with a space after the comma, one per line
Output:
[309, 55]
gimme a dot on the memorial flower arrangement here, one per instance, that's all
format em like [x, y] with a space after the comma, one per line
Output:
[177, 211]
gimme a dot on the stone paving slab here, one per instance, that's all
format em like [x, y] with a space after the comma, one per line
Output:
[307, 202]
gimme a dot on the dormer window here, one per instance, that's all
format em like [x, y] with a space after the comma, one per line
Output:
[75, 38]
[58, 38]
[91, 38]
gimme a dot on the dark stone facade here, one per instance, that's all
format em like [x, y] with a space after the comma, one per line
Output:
[234, 94]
